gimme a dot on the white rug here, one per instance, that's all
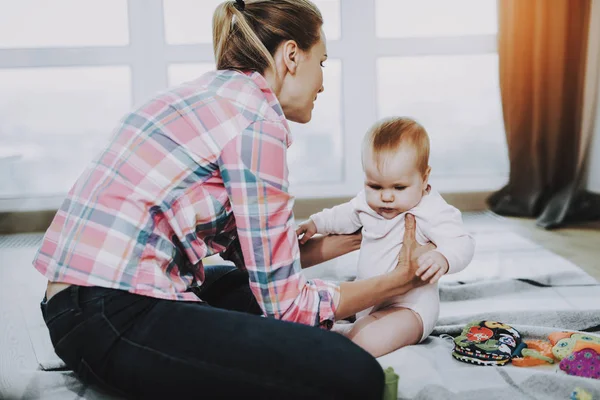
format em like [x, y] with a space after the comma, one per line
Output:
[511, 280]
[556, 295]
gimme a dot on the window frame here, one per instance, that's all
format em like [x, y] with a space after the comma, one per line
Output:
[148, 55]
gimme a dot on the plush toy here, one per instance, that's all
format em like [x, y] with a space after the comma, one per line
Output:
[537, 352]
[581, 394]
[487, 343]
[584, 363]
[566, 343]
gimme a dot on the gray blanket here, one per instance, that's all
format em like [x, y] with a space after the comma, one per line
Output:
[516, 282]
[510, 280]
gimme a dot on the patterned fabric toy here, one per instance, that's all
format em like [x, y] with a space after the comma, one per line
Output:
[566, 343]
[584, 363]
[487, 343]
[581, 394]
[538, 352]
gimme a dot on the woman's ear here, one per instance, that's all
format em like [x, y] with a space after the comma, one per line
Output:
[290, 55]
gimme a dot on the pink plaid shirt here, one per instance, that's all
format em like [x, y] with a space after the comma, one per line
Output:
[198, 170]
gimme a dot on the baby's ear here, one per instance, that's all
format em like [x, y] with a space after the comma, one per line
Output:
[426, 176]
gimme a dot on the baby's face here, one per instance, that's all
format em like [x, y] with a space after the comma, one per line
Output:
[396, 186]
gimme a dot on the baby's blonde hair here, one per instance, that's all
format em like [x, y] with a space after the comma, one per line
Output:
[386, 137]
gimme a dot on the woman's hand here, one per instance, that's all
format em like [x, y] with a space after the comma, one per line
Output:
[408, 260]
[363, 293]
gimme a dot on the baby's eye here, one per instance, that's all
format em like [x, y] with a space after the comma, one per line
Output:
[375, 187]
[400, 187]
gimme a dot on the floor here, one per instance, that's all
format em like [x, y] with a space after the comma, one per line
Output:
[578, 244]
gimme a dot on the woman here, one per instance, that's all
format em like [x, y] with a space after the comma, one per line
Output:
[199, 170]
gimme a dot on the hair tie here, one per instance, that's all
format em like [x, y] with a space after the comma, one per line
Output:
[240, 5]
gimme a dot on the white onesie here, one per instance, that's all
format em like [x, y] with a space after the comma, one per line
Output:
[437, 221]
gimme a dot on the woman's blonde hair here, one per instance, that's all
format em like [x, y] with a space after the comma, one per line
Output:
[246, 37]
[386, 137]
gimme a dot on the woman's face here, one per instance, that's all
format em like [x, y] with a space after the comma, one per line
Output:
[302, 80]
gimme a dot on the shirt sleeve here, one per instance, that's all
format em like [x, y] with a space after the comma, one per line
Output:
[339, 220]
[253, 167]
[448, 233]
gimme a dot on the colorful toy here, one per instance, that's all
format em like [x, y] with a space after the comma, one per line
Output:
[538, 352]
[584, 363]
[581, 394]
[495, 343]
[487, 343]
[566, 343]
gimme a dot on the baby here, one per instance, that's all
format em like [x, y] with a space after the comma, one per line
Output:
[395, 159]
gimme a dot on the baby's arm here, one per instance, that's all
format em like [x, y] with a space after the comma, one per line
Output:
[453, 242]
[342, 219]
[339, 220]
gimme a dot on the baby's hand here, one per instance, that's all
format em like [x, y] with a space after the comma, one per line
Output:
[308, 228]
[432, 266]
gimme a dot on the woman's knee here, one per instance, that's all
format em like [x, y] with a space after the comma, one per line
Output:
[359, 375]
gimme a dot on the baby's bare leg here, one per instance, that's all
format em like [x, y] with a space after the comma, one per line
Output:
[387, 330]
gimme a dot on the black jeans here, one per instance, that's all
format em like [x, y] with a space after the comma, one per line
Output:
[142, 347]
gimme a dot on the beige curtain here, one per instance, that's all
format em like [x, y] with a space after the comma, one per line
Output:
[542, 48]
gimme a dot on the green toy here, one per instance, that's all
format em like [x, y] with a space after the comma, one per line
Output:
[390, 391]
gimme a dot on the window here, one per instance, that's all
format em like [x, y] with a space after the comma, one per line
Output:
[39, 24]
[49, 154]
[456, 99]
[181, 73]
[435, 18]
[316, 156]
[70, 70]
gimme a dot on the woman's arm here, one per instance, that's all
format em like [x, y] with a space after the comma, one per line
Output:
[254, 172]
[359, 295]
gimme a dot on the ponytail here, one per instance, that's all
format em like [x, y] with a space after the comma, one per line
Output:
[246, 38]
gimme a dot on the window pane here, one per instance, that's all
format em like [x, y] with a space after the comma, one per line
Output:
[457, 100]
[410, 18]
[316, 156]
[181, 73]
[330, 9]
[60, 23]
[52, 123]
[190, 21]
